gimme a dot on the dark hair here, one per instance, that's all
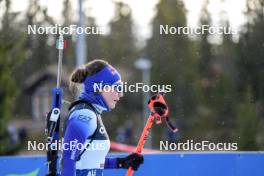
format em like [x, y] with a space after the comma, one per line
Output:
[89, 69]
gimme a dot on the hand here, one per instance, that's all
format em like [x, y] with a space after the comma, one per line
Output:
[133, 160]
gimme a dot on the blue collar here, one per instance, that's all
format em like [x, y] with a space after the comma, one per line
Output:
[97, 100]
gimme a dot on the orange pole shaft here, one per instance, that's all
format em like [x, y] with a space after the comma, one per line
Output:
[142, 141]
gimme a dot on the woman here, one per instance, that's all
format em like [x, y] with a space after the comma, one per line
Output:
[86, 142]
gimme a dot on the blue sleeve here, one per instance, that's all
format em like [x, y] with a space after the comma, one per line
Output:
[110, 163]
[81, 124]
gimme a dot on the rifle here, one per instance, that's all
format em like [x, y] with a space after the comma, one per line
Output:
[52, 130]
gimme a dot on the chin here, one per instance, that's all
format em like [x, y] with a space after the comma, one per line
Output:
[112, 106]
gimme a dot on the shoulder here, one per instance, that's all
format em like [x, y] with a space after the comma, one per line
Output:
[83, 119]
[84, 115]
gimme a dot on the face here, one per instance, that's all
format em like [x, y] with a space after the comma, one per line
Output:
[111, 95]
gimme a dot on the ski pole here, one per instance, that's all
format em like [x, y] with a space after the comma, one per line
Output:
[53, 118]
[142, 141]
[158, 111]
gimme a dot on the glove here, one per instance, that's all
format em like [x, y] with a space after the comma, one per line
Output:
[133, 160]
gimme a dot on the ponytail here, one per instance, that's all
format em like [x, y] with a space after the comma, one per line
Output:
[79, 75]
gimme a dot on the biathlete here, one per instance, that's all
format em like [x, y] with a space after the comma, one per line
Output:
[86, 143]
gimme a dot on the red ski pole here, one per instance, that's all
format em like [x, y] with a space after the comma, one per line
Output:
[142, 141]
[158, 110]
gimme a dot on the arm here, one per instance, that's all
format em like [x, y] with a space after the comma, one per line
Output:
[110, 163]
[81, 124]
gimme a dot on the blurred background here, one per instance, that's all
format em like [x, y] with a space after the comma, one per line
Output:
[217, 80]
